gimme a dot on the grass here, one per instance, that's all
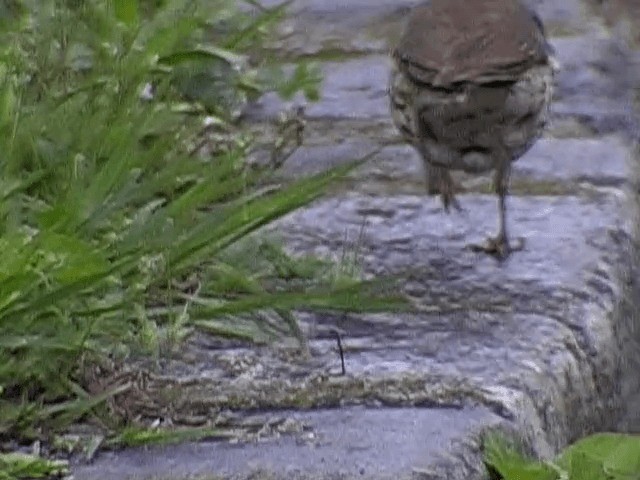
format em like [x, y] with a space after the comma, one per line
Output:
[119, 238]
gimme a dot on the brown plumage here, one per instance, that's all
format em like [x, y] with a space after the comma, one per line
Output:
[470, 88]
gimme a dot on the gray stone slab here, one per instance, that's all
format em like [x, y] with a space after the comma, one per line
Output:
[593, 84]
[572, 15]
[350, 89]
[338, 7]
[594, 63]
[601, 115]
[356, 442]
[598, 161]
[485, 315]
[568, 162]
[318, 158]
[402, 231]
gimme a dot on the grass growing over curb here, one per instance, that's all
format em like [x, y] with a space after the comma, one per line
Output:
[118, 238]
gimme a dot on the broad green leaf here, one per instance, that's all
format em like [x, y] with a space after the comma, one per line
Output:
[617, 454]
[584, 467]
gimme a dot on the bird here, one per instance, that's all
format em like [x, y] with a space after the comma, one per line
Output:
[470, 88]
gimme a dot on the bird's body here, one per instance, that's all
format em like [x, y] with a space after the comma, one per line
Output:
[470, 88]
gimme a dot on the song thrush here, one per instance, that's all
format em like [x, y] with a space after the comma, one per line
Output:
[470, 88]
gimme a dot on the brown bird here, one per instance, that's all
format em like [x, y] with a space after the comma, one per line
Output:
[470, 89]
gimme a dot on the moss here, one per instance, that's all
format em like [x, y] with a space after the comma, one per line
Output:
[407, 186]
[331, 51]
[530, 187]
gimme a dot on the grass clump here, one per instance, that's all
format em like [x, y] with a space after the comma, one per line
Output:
[117, 235]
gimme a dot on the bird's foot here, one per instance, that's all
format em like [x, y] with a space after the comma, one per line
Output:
[498, 246]
[439, 181]
[449, 200]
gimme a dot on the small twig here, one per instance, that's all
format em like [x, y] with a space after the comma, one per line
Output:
[336, 332]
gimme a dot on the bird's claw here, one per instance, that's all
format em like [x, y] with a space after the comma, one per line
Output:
[449, 200]
[499, 247]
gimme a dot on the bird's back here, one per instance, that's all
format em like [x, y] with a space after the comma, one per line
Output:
[471, 82]
[452, 41]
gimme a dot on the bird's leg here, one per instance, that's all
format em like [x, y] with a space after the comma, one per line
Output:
[432, 180]
[499, 245]
[439, 181]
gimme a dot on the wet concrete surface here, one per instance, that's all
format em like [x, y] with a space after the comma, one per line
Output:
[546, 344]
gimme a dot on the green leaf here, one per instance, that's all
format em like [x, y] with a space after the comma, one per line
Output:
[76, 258]
[70, 411]
[357, 297]
[133, 437]
[249, 33]
[8, 99]
[306, 77]
[583, 467]
[215, 234]
[23, 465]
[501, 456]
[618, 455]
[203, 52]
[127, 12]
[33, 304]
